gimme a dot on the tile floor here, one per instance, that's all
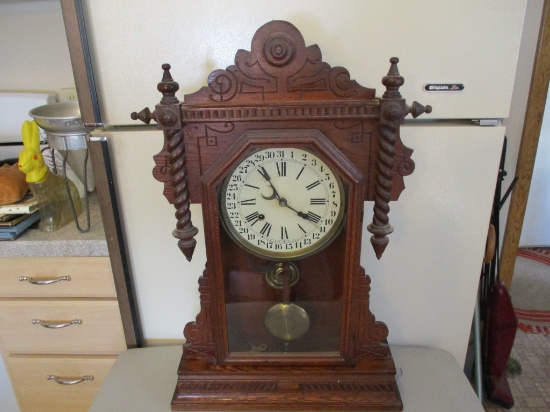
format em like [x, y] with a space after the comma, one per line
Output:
[531, 388]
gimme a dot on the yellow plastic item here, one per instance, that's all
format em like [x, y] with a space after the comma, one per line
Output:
[50, 189]
[31, 160]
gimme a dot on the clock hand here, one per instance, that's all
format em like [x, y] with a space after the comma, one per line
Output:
[266, 176]
[301, 214]
[282, 200]
[271, 196]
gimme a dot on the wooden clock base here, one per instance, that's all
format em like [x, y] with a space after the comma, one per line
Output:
[368, 385]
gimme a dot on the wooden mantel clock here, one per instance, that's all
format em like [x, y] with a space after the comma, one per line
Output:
[282, 150]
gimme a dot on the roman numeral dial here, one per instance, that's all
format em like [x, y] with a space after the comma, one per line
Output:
[282, 203]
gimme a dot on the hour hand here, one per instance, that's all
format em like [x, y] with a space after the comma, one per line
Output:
[301, 214]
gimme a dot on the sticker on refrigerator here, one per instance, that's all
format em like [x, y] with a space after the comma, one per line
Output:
[444, 87]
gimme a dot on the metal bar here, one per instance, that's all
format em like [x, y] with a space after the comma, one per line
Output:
[477, 350]
[87, 60]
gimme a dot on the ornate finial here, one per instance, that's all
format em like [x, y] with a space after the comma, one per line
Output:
[393, 68]
[145, 116]
[168, 87]
[187, 244]
[166, 77]
[393, 80]
[379, 239]
[416, 109]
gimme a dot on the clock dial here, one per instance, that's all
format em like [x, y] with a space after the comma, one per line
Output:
[282, 203]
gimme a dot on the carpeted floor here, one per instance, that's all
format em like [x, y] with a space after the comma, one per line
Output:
[530, 290]
[530, 293]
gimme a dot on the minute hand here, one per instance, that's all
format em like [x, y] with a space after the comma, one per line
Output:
[266, 176]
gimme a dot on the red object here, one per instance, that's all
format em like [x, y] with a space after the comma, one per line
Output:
[501, 329]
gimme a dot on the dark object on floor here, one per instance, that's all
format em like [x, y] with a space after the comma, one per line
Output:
[513, 366]
[501, 329]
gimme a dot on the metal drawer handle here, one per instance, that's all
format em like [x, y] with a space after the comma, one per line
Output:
[70, 380]
[53, 324]
[44, 280]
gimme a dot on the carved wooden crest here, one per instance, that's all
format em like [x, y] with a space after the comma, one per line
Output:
[279, 67]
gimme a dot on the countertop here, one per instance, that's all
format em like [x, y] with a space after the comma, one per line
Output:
[144, 380]
[67, 241]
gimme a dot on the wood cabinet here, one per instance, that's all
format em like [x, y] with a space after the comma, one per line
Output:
[34, 379]
[70, 277]
[60, 329]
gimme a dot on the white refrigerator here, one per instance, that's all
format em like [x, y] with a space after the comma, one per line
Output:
[458, 57]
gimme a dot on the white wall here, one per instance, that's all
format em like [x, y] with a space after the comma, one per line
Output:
[33, 47]
[536, 226]
[165, 283]
[197, 38]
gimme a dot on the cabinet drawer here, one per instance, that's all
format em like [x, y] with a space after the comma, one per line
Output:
[56, 277]
[35, 392]
[93, 327]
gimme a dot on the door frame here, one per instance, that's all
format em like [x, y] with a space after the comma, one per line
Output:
[534, 114]
[75, 30]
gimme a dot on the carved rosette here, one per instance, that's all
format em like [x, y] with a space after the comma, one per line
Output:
[407, 165]
[279, 49]
[340, 82]
[223, 85]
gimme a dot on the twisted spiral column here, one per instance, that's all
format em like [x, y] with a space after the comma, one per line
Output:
[185, 231]
[167, 115]
[392, 112]
[380, 226]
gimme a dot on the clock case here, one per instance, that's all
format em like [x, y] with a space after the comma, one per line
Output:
[281, 94]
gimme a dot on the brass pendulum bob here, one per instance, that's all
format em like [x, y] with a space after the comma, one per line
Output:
[286, 321]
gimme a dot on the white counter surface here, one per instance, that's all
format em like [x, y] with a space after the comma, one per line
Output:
[429, 380]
